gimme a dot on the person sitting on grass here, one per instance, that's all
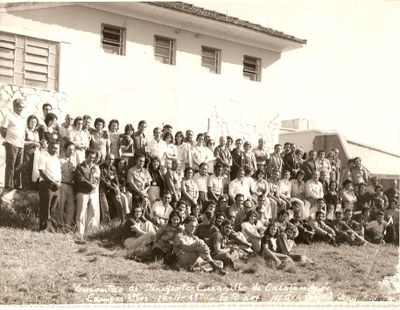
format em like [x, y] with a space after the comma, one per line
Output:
[161, 248]
[375, 232]
[241, 215]
[322, 231]
[270, 248]
[137, 231]
[195, 211]
[319, 206]
[354, 225]
[343, 232]
[191, 251]
[162, 209]
[306, 232]
[206, 229]
[250, 231]
[287, 233]
[224, 247]
[392, 217]
[219, 218]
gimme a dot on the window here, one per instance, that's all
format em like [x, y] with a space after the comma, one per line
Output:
[113, 39]
[251, 68]
[210, 59]
[164, 50]
[26, 61]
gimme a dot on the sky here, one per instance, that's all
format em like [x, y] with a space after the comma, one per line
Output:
[347, 76]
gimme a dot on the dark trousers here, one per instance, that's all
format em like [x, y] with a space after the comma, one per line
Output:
[27, 167]
[14, 160]
[49, 212]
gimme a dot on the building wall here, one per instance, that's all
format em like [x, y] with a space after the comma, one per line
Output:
[135, 86]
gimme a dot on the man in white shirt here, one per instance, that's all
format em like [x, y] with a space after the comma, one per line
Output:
[157, 147]
[162, 209]
[50, 217]
[12, 129]
[239, 186]
[215, 184]
[261, 155]
[314, 189]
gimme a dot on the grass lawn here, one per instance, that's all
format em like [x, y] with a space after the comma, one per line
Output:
[42, 268]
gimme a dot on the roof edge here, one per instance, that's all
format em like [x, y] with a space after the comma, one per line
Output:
[188, 8]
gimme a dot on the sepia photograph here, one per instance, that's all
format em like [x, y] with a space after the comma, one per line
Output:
[200, 154]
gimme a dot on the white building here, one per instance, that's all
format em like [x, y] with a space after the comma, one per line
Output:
[165, 62]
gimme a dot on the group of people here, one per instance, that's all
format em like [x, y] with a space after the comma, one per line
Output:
[188, 201]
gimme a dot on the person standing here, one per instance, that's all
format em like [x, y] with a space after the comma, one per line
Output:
[238, 161]
[67, 197]
[86, 186]
[223, 155]
[275, 161]
[31, 150]
[49, 166]
[80, 139]
[157, 147]
[290, 162]
[140, 140]
[262, 155]
[12, 129]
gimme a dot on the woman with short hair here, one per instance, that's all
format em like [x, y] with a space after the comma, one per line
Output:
[31, 149]
[100, 140]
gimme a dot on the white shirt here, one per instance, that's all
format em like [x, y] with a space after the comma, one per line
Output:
[15, 125]
[51, 165]
[201, 182]
[199, 154]
[239, 187]
[159, 210]
[314, 189]
[216, 184]
[158, 149]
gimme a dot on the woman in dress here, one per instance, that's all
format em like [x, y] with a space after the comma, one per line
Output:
[298, 193]
[127, 147]
[172, 150]
[31, 149]
[323, 164]
[190, 191]
[199, 152]
[210, 157]
[80, 139]
[347, 195]
[180, 151]
[157, 185]
[285, 188]
[260, 186]
[115, 140]
[100, 141]
[332, 199]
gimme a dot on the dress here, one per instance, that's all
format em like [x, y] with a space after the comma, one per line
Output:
[30, 151]
[115, 143]
[79, 138]
[100, 142]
